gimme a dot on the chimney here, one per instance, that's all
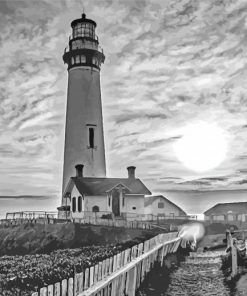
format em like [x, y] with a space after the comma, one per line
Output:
[79, 170]
[131, 172]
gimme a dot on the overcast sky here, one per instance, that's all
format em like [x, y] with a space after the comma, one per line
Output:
[168, 64]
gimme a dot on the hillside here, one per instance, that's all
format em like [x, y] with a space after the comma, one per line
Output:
[40, 238]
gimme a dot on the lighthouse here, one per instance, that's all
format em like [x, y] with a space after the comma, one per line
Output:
[84, 136]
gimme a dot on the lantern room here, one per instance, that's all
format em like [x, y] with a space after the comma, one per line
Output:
[83, 27]
[83, 49]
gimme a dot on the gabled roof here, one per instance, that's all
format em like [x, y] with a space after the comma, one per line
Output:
[150, 199]
[119, 185]
[99, 186]
[223, 208]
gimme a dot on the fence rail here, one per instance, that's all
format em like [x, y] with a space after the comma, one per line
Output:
[126, 220]
[86, 221]
[90, 221]
[114, 223]
[100, 214]
[31, 215]
[121, 274]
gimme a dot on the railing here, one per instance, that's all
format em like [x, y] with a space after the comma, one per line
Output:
[133, 216]
[16, 222]
[98, 215]
[114, 223]
[118, 275]
[85, 46]
[31, 215]
[104, 218]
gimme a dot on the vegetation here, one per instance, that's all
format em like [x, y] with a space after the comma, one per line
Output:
[22, 275]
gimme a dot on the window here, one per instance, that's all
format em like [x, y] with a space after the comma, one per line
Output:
[109, 200]
[218, 217]
[83, 59]
[133, 208]
[95, 209]
[77, 44]
[91, 137]
[72, 61]
[123, 200]
[77, 59]
[95, 61]
[79, 204]
[74, 204]
[161, 205]
[84, 29]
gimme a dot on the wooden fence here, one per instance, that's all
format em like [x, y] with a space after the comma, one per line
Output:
[19, 221]
[127, 220]
[118, 275]
[88, 220]
[31, 215]
[114, 223]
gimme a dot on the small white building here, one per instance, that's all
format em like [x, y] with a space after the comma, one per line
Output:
[118, 196]
[161, 206]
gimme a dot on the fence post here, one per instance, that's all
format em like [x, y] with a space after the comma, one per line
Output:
[131, 282]
[234, 258]
[86, 282]
[71, 287]
[50, 290]
[91, 277]
[43, 291]
[57, 289]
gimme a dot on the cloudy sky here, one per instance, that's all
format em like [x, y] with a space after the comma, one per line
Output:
[171, 66]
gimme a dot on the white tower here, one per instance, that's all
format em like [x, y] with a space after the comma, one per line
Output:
[84, 138]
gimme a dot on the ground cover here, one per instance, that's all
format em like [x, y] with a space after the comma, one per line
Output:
[22, 275]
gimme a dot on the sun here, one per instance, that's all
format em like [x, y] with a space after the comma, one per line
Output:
[202, 147]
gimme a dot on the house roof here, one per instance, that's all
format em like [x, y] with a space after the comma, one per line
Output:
[150, 199]
[99, 186]
[223, 208]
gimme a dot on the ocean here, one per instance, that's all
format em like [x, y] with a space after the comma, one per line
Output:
[28, 203]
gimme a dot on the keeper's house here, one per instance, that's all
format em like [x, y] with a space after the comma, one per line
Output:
[161, 206]
[85, 196]
[227, 212]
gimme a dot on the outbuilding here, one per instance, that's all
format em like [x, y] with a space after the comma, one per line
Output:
[227, 212]
[159, 205]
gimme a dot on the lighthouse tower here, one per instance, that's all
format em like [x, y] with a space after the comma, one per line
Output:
[84, 138]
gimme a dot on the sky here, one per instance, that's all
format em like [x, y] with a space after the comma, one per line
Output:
[170, 66]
